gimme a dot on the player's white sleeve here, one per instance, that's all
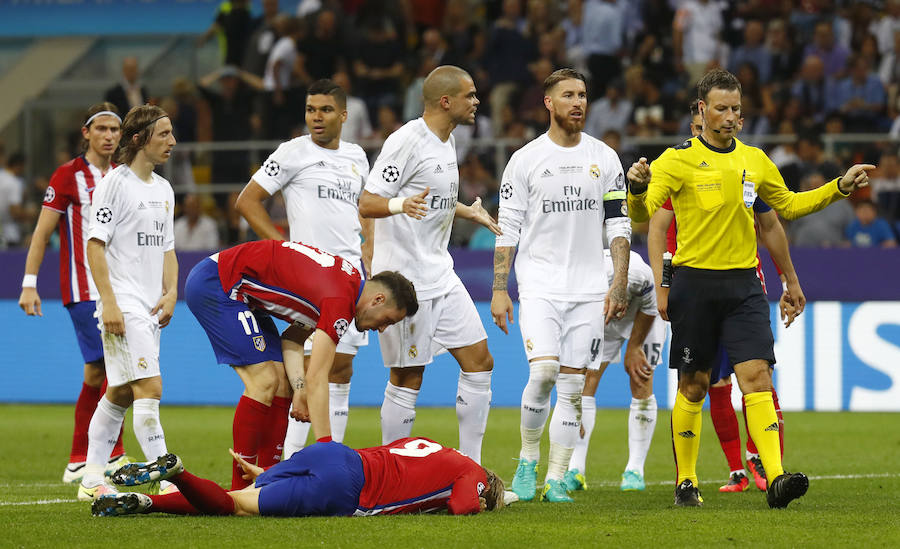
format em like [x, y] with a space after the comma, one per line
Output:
[106, 209]
[513, 203]
[169, 243]
[510, 221]
[278, 170]
[394, 165]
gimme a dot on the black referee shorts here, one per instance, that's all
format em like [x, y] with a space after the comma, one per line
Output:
[708, 308]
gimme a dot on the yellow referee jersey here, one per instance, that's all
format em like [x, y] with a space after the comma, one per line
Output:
[712, 193]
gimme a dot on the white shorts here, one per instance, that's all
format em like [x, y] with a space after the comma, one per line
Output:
[349, 344]
[136, 354]
[570, 330]
[446, 322]
[618, 331]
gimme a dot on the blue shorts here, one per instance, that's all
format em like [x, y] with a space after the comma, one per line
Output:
[324, 479]
[722, 368]
[87, 329]
[239, 335]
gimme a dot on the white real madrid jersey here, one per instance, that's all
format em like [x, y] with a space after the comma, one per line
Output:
[135, 219]
[641, 296]
[561, 192]
[321, 189]
[412, 159]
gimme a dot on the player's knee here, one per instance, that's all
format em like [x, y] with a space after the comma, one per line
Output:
[693, 386]
[754, 376]
[409, 378]
[543, 375]
[94, 373]
[341, 370]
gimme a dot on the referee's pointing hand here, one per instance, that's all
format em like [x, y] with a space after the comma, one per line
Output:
[856, 177]
[639, 173]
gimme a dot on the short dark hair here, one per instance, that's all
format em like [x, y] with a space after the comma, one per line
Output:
[559, 75]
[402, 290]
[140, 122]
[326, 86]
[717, 78]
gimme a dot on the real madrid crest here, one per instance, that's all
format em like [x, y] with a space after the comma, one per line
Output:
[595, 171]
[413, 352]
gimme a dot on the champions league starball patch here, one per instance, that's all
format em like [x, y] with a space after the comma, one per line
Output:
[506, 190]
[340, 326]
[390, 173]
[104, 215]
[272, 168]
[49, 195]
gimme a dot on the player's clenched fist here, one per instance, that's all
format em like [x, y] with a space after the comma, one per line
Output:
[639, 175]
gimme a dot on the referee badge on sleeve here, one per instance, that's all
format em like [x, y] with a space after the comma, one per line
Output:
[749, 190]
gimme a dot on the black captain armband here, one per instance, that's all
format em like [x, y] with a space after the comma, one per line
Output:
[615, 204]
[667, 270]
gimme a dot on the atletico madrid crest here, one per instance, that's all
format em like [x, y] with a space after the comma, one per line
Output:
[260, 343]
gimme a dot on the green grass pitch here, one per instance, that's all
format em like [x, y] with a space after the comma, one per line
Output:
[853, 460]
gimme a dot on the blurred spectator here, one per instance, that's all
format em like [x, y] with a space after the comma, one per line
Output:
[784, 154]
[755, 122]
[825, 228]
[540, 18]
[477, 181]
[130, 92]
[482, 238]
[434, 47]
[886, 27]
[378, 66]
[232, 114]
[358, 125]
[195, 230]
[283, 98]
[507, 55]
[179, 171]
[886, 186]
[889, 68]
[868, 230]
[574, 31]
[860, 98]
[696, 37]
[465, 39]
[833, 55]
[388, 122]
[261, 41]
[531, 109]
[12, 188]
[652, 114]
[232, 27]
[324, 51]
[811, 159]
[753, 51]
[811, 90]
[784, 55]
[613, 111]
[414, 102]
[603, 25]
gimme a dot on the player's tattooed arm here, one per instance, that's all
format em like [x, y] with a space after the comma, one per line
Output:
[501, 304]
[292, 340]
[617, 297]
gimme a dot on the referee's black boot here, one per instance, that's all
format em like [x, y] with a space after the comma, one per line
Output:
[786, 488]
[687, 495]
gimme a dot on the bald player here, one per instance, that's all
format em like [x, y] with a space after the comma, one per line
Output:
[412, 193]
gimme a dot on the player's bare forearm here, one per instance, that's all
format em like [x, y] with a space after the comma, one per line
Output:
[250, 205]
[639, 330]
[503, 256]
[96, 254]
[619, 250]
[372, 205]
[367, 247]
[317, 383]
[46, 224]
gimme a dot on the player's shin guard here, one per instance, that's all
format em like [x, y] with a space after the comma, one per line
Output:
[271, 443]
[565, 424]
[147, 428]
[473, 402]
[780, 421]
[84, 411]
[102, 432]
[686, 423]
[641, 422]
[249, 422]
[536, 406]
[726, 424]
[588, 417]
[398, 412]
[762, 422]
[339, 408]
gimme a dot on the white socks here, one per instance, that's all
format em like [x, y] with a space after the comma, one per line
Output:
[398, 412]
[473, 402]
[641, 421]
[338, 408]
[147, 428]
[103, 432]
[565, 423]
[588, 416]
[536, 406]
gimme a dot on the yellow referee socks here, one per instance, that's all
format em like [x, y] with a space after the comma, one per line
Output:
[686, 421]
[762, 422]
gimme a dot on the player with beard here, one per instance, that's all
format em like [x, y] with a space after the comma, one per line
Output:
[557, 195]
[416, 175]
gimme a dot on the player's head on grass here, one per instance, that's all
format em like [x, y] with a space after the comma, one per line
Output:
[719, 101]
[493, 494]
[386, 299]
[565, 96]
[449, 91]
[326, 112]
[100, 129]
[146, 136]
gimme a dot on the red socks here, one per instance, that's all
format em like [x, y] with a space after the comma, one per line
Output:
[84, 410]
[726, 425]
[196, 496]
[271, 445]
[249, 422]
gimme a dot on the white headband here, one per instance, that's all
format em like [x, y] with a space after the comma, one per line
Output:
[102, 113]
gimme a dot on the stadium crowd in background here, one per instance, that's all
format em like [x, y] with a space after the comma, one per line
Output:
[807, 69]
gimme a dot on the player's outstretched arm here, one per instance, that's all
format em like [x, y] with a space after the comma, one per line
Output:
[113, 321]
[29, 300]
[656, 246]
[478, 214]
[292, 341]
[250, 204]
[375, 206]
[501, 304]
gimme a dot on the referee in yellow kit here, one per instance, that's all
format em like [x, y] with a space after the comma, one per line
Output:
[713, 180]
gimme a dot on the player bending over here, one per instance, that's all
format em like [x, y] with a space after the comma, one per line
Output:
[409, 475]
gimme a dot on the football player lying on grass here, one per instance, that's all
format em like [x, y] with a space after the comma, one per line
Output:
[410, 475]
